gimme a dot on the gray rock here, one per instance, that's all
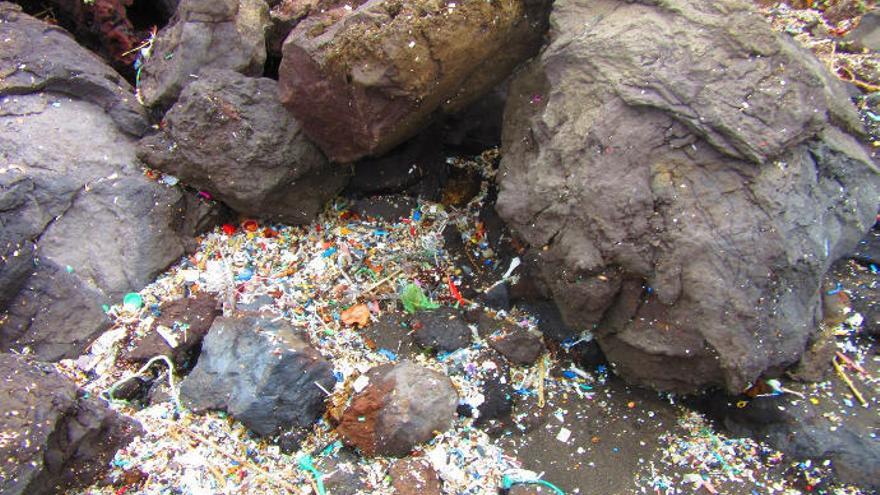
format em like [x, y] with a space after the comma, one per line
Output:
[404, 405]
[81, 224]
[867, 34]
[365, 80]
[37, 57]
[260, 372]
[802, 433]
[205, 34]
[54, 438]
[687, 177]
[228, 135]
[443, 330]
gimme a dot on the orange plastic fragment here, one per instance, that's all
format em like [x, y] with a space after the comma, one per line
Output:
[358, 314]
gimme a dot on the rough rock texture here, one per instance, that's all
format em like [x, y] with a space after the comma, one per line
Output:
[284, 15]
[403, 406]
[188, 319]
[260, 372]
[802, 433]
[366, 81]
[867, 34]
[36, 56]
[443, 329]
[689, 176]
[516, 344]
[81, 225]
[53, 438]
[228, 134]
[205, 34]
[414, 477]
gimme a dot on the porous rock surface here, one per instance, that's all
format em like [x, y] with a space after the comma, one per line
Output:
[228, 135]
[260, 372]
[80, 224]
[687, 176]
[204, 34]
[402, 406]
[54, 439]
[365, 79]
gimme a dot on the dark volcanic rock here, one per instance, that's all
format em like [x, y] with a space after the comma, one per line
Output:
[443, 329]
[205, 34]
[497, 297]
[133, 389]
[53, 438]
[84, 209]
[867, 34]
[403, 405]
[36, 57]
[228, 134]
[188, 319]
[516, 344]
[390, 333]
[688, 177]
[261, 373]
[800, 432]
[867, 251]
[414, 477]
[415, 168]
[367, 80]
[81, 225]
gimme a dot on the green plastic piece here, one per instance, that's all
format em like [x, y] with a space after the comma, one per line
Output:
[133, 301]
[507, 483]
[306, 464]
[414, 299]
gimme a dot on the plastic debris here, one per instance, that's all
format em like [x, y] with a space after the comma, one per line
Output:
[414, 299]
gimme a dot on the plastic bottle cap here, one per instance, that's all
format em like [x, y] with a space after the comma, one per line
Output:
[133, 300]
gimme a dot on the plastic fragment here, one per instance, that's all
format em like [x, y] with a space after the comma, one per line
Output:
[414, 299]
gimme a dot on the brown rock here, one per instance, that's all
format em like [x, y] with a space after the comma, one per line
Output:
[703, 266]
[365, 80]
[54, 437]
[414, 477]
[403, 405]
[195, 313]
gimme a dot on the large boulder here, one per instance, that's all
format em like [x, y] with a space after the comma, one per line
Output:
[687, 176]
[54, 438]
[403, 406]
[81, 224]
[204, 34]
[36, 56]
[365, 79]
[228, 134]
[261, 372]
